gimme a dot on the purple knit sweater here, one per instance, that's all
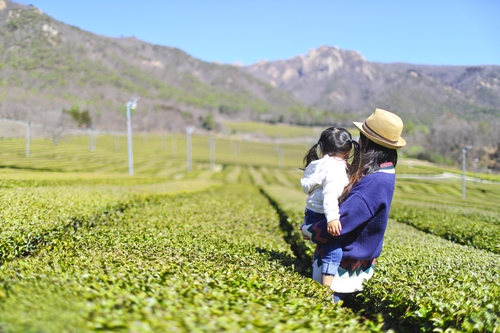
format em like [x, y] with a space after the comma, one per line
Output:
[364, 215]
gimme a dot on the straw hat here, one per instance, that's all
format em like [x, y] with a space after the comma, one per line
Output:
[383, 127]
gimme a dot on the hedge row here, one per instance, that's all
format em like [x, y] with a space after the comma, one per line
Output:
[153, 154]
[428, 282]
[202, 262]
[471, 227]
[437, 207]
[423, 283]
[33, 217]
[16, 179]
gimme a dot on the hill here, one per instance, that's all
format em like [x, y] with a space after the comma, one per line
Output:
[47, 66]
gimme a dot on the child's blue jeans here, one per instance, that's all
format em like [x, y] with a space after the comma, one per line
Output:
[331, 253]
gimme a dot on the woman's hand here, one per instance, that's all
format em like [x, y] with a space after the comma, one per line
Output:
[334, 227]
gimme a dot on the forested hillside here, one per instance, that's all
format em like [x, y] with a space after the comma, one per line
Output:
[47, 66]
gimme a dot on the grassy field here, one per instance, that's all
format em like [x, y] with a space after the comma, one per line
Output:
[272, 131]
[84, 246]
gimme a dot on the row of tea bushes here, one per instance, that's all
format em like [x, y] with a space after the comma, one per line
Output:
[448, 193]
[202, 262]
[291, 216]
[262, 176]
[423, 283]
[437, 207]
[34, 217]
[31, 217]
[19, 178]
[473, 227]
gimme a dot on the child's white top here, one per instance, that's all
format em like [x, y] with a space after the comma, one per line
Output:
[324, 180]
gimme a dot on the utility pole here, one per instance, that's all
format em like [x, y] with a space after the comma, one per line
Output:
[28, 138]
[91, 138]
[131, 104]
[212, 153]
[189, 131]
[464, 152]
[281, 158]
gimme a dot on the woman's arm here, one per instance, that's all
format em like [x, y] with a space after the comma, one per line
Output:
[355, 212]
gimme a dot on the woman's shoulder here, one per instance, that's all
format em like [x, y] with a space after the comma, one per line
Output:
[373, 189]
[377, 180]
[380, 176]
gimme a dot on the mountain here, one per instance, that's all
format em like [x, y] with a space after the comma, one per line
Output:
[343, 81]
[47, 66]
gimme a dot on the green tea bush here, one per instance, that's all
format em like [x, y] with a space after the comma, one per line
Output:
[31, 218]
[156, 156]
[437, 207]
[474, 228]
[422, 283]
[204, 262]
[85, 247]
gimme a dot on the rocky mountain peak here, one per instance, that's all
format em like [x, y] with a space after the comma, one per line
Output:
[318, 65]
[325, 61]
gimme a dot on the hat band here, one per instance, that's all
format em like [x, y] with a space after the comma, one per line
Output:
[376, 135]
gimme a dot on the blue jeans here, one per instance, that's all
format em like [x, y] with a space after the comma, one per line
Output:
[331, 252]
[349, 297]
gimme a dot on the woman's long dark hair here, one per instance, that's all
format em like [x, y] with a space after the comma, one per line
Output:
[372, 156]
[334, 141]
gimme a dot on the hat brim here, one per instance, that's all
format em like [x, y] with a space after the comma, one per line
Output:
[400, 143]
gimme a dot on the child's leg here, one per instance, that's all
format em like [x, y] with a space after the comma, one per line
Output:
[330, 262]
[326, 280]
[310, 218]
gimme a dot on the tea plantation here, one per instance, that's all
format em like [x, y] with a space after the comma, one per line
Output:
[85, 247]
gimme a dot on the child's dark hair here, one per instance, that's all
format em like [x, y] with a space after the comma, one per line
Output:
[334, 141]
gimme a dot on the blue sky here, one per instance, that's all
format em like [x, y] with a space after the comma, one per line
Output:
[438, 32]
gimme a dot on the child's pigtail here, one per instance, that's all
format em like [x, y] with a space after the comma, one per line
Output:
[311, 155]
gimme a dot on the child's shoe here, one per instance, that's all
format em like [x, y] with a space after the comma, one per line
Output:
[306, 233]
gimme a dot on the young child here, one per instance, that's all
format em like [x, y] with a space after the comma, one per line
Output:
[325, 176]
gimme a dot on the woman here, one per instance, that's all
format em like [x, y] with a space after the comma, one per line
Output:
[364, 205]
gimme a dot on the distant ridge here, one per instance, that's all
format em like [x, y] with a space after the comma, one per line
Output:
[343, 81]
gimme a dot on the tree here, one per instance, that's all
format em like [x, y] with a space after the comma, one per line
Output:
[209, 122]
[82, 117]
